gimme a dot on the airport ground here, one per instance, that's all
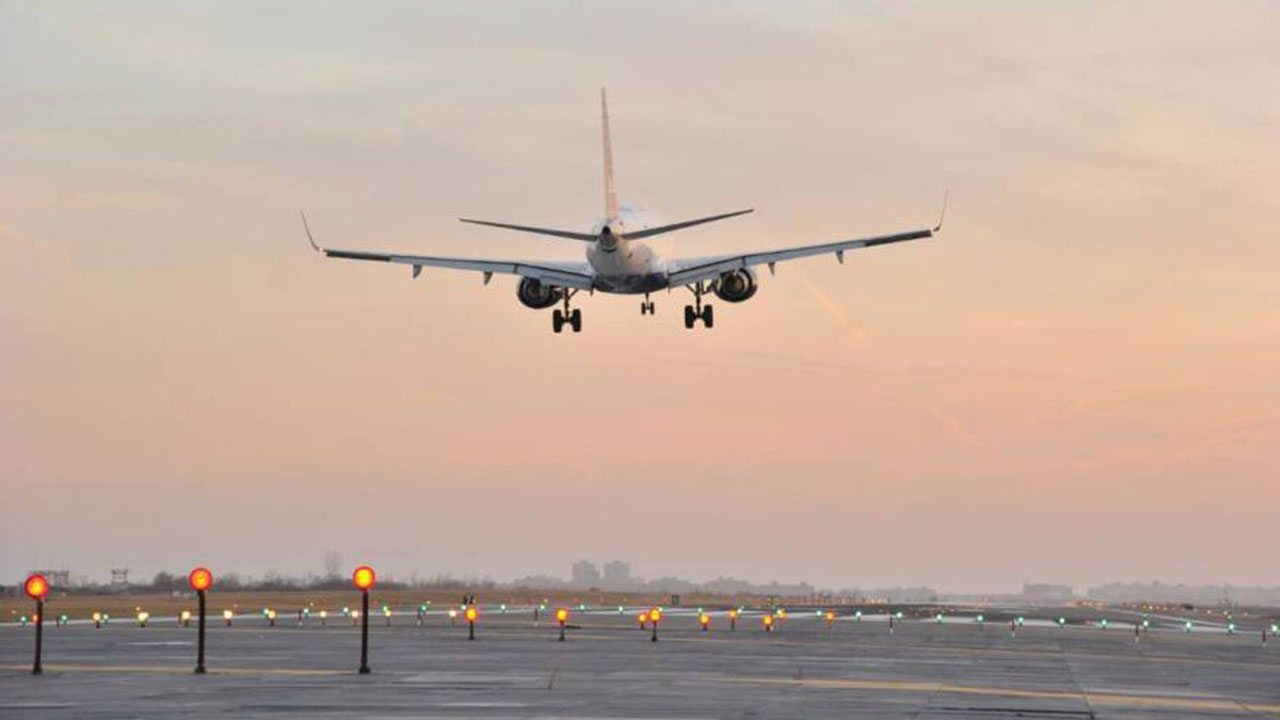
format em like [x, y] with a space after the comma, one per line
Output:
[609, 667]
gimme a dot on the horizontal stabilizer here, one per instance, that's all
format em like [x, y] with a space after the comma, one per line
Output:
[588, 237]
[640, 234]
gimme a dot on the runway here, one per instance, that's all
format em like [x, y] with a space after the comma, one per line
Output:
[608, 667]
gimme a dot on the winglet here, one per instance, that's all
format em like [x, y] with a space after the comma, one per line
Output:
[307, 227]
[943, 216]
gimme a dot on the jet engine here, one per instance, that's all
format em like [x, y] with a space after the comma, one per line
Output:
[736, 285]
[534, 293]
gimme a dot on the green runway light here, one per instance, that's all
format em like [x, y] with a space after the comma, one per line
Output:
[543, 607]
[899, 614]
[1104, 623]
[23, 619]
[346, 612]
[306, 612]
[620, 610]
[266, 612]
[422, 608]
[63, 619]
[582, 606]
[1021, 620]
[1062, 621]
[816, 613]
[1146, 623]
[858, 615]
[980, 619]
[1231, 628]
[939, 617]
[1188, 626]
[1275, 628]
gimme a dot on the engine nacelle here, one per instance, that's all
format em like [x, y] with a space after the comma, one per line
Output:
[736, 285]
[534, 293]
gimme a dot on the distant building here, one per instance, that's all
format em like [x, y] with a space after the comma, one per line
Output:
[586, 574]
[617, 573]
[1047, 593]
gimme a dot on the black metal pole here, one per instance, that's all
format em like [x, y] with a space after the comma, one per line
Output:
[200, 636]
[1264, 634]
[655, 632]
[364, 633]
[37, 668]
[471, 629]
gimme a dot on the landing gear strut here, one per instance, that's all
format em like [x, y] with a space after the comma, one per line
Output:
[697, 311]
[646, 307]
[573, 319]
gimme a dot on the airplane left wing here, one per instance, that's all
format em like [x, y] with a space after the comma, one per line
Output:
[565, 274]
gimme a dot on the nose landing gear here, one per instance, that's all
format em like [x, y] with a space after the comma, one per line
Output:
[561, 318]
[697, 311]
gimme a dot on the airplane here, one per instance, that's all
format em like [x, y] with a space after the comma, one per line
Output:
[619, 262]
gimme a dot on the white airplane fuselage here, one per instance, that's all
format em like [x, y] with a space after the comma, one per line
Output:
[624, 266]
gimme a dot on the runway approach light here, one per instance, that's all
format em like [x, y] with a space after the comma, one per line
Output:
[97, 619]
[1231, 628]
[503, 608]
[642, 618]
[562, 616]
[899, 614]
[938, 618]
[185, 618]
[1062, 622]
[1187, 626]
[228, 615]
[471, 622]
[1021, 620]
[655, 616]
[142, 618]
[363, 578]
[705, 620]
[386, 613]
[858, 615]
[37, 587]
[201, 579]
[733, 619]
[453, 616]
[767, 619]
[1146, 624]
[980, 619]
[831, 618]
[1104, 623]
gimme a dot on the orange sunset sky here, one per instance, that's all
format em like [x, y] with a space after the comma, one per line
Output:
[1076, 381]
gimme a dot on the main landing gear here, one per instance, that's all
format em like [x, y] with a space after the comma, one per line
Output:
[572, 319]
[646, 307]
[697, 311]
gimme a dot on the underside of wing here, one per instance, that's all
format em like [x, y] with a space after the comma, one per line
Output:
[574, 275]
[691, 270]
[565, 274]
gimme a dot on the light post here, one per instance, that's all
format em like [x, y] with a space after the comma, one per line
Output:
[201, 580]
[363, 578]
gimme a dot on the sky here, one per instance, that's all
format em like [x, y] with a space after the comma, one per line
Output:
[1076, 381]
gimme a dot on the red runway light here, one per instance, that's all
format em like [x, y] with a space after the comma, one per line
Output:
[363, 577]
[201, 579]
[37, 587]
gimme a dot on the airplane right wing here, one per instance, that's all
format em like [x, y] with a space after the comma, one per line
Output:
[565, 274]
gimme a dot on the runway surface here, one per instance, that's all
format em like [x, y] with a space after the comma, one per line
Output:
[610, 668]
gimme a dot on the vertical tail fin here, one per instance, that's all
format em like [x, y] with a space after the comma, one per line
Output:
[610, 194]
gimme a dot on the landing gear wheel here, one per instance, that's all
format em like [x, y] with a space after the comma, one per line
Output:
[646, 308]
[689, 317]
[707, 318]
[557, 321]
[575, 319]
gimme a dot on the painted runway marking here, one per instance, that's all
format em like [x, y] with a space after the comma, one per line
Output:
[1086, 696]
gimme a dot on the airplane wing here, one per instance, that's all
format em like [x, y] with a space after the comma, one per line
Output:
[693, 270]
[565, 274]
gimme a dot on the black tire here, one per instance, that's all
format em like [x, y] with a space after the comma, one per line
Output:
[708, 318]
[575, 319]
[689, 317]
[557, 321]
